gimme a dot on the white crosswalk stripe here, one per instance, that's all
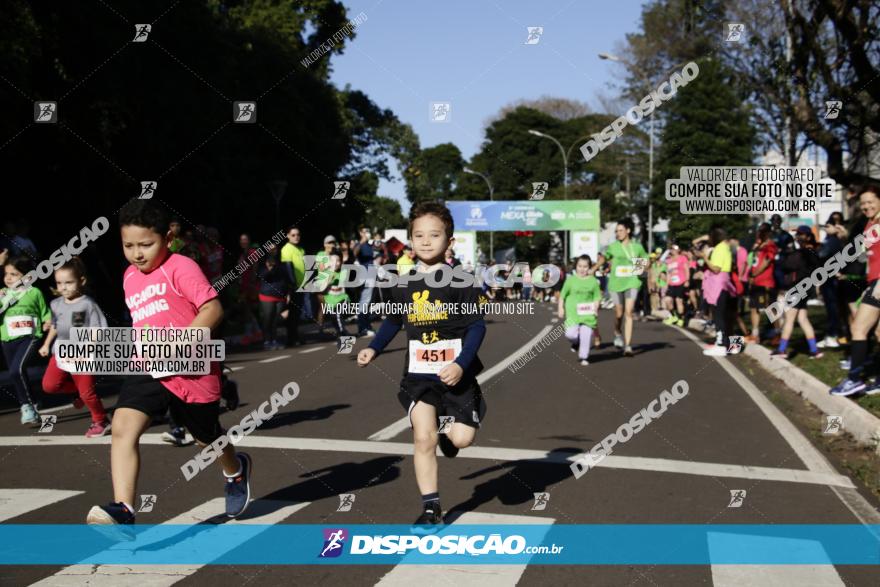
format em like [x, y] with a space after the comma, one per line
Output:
[406, 575]
[260, 512]
[17, 502]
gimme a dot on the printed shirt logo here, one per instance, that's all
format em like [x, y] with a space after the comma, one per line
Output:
[423, 311]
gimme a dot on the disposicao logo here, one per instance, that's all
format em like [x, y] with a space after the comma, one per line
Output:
[334, 541]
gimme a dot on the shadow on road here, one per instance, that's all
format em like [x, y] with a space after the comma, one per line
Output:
[290, 418]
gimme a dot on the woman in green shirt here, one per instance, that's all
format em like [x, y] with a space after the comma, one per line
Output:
[21, 329]
[628, 261]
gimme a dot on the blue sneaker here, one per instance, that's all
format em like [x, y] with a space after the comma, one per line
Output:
[29, 416]
[848, 387]
[113, 520]
[238, 489]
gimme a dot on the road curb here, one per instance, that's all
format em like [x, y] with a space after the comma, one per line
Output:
[862, 424]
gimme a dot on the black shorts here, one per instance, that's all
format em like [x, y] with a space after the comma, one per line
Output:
[148, 395]
[850, 290]
[464, 401]
[675, 291]
[868, 298]
[759, 297]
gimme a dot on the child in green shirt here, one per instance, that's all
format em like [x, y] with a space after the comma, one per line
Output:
[578, 305]
[24, 320]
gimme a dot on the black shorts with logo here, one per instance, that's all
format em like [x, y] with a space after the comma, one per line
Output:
[148, 395]
[464, 401]
[675, 291]
[868, 297]
[850, 290]
[759, 297]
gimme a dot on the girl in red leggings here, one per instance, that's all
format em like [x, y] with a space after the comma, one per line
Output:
[74, 309]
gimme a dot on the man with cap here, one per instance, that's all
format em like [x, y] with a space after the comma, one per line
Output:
[324, 265]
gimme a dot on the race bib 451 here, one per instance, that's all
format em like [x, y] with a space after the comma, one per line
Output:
[431, 358]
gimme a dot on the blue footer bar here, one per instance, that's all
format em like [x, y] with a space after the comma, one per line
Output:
[289, 544]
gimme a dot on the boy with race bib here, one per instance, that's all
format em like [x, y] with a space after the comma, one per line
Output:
[578, 305]
[628, 261]
[444, 329]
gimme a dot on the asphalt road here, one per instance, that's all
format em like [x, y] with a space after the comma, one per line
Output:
[724, 435]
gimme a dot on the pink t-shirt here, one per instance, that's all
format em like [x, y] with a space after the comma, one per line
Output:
[677, 270]
[171, 295]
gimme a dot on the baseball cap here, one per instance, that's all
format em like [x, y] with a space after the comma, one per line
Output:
[329, 239]
[804, 229]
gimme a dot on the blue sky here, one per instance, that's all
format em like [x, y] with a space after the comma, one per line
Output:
[409, 53]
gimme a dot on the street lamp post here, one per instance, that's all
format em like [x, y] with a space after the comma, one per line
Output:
[491, 199]
[610, 57]
[565, 183]
[277, 188]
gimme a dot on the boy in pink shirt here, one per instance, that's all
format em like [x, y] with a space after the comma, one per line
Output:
[164, 289]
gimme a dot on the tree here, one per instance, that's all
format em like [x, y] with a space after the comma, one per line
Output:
[706, 125]
[434, 174]
[559, 108]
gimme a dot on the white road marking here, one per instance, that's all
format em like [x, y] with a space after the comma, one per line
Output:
[17, 502]
[268, 513]
[814, 460]
[399, 426]
[554, 320]
[406, 575]
[815, 575]
[312, 350]
[56, 409]
[236, 368]
[833, 480]
[273, 359]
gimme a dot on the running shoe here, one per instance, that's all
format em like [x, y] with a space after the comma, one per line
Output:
[777, 354]
[844, 364]
[829, 343]
[584, 362]
[679, 322]
[817, 355]
[176, 436]
[627, 351]
[432, 516]
[448, 449]
[715, 351]
[78, 404]
[670, 320]
[873, 389]
[238, 489]
[848, 387]
[618, 341]
[29, 416]
[98, 429]
[366, 333]
[574, 347]
[113, 520]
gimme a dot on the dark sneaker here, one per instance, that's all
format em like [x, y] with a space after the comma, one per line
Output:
[432, 516]
[848, 387]
[238, 489]
[873, 388]
[113, 520]
[446, 447]
[777, 354]
[229, 394]
[176, 436]
[817, 355]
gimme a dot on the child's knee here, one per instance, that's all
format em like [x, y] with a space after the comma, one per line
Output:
[425, 440]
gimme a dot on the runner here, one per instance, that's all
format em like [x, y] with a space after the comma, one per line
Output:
[718, 287]
[74, 309]
[799, 265]
[869, 308]
[678, 273]
[24, 321]
[762, 283]
[441, 366]
[624, 281]
[182, 297]
[578, 305]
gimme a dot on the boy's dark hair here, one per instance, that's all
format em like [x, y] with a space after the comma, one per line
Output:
[291, 227]
[584, 258]
[716, 235]
[145, 214]
[22, 263]
[627, 222]
[432, 209]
